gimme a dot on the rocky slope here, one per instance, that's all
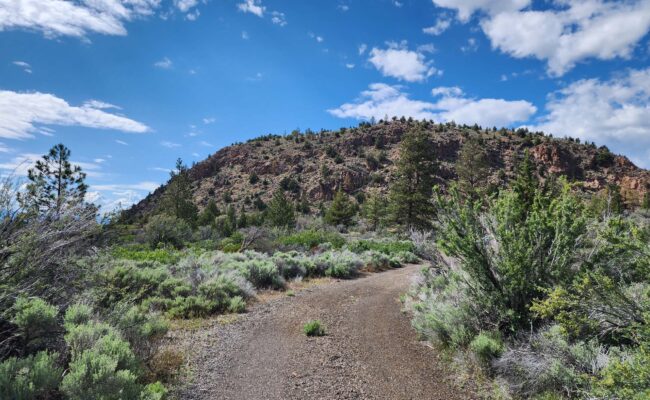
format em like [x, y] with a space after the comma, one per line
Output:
[360, 160]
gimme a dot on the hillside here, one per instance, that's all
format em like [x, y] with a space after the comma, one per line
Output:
[360, 159]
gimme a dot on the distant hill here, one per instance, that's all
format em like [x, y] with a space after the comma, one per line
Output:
[361, 159]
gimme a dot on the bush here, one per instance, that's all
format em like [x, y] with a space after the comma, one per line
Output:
[292, 264]
[77, 314]
[36, 321]
[166, 364]
[166, 229]
[33, 377]
[309, 239]
[486, 347]
[263, 274]
[314, 328]
[387, 247]
[139, 253]
[377, 261]
[338, 264]
[237, 305]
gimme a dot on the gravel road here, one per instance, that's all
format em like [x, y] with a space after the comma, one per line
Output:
[370, 350]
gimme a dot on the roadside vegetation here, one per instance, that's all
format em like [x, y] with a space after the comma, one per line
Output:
[539, 291]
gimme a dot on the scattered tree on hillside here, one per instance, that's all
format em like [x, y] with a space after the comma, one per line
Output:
[526, 182]
[341, 211]
[177, 199]
[280, 211]
[411, 191]
[207, 216]
[472, 168]
[54, 183]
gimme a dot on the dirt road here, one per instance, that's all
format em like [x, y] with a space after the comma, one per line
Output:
[370, 350]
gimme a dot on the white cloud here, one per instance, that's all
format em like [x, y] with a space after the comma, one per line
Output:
[160, 169]
[398, 4]
[465, 8]
[147, 186]
[382, 100]
[349, 66]
[25, 66]
[362, 48]
[563, 35]
[244, 35]
[169, 145]
[278, 18]
[612, 112]
[122, 142]
[99, 160]
[470, 47]
[116, 196]
[185, 5]
[165, 63]
[252, 6]
[4, 148]
[22, 113]
[441, 25]
[399, 62]
[343, 7]
[209, 120]
[67, 18]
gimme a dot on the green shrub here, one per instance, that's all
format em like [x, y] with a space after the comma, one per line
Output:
[263, 274]
[486, 347]
[77, 314]
[338, 264]
[314, 328]
[237, 304]
[292, 264]
[36, 321]
[192, 307]
[377, 261]
[167, 230]
[164, 255]
[406, 257]
[309, 239]
[626, 377]
[386, 247]
[33, 377]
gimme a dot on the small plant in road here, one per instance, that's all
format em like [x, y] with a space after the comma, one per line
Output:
[314, 328]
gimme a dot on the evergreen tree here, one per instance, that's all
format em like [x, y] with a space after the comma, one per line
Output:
[303, 204]
[242, 221]
[177, 199]
[54, 183]
[526, 183]
[375, 210]
[341, 211]
[472, 168]
[231, 216]
[645, 204]
[280, 211]
[412, 188]
[207, 216]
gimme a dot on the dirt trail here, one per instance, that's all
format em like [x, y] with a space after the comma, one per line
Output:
[370, 351]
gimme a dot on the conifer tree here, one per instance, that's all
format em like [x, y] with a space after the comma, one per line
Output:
[341, 211]
[375, 210]
[411, 192]
[280, 211]
[177, 199]
[526, 183]
[54, 183]
[207, 216]
[472, 168]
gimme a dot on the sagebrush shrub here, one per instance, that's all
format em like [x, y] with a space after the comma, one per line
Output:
[36, 321]
[167, 230]
[486, 347]
[33, 377]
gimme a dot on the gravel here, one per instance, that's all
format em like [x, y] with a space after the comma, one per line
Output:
[370, 350]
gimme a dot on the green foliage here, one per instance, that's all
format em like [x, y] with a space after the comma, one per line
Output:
[387, 247]
[626, 377]
[177, 199]
[209, 213]
[410, 196]
[311, 238]
[165, 229]
[375, 210]
[34, 377]
[486, 347]
[54, 183]
[280, 211]
[472, 168]
[314, 328]
[36, 321]
[77, 314]
[341, 211]
[263, 274]
[338, 264]
[237, 304]
[163, 255]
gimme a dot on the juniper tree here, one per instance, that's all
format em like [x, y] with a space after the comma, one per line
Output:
[472, 168]
[411, 191]
[177, 199]
[54, 183]
[341, 211]
[280, 211]
[207, 216]
[375, 210]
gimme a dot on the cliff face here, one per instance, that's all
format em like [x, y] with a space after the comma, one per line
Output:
[362, 159]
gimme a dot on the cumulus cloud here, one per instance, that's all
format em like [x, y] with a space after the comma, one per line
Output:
[21, 115]
[21, 163]
[612, 112]
[169, 145]
[382, 100]
[278, 18]
[399, 62]
[563, 35]
[66, 18]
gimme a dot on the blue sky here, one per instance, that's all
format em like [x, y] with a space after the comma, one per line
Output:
[130, 85]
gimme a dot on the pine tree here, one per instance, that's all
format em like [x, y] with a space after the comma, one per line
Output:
[375, 210]
[207, 216]
[242, 221]
[526, 183]
[472, 168]
[177, 199]
[341, 211]
[645, 204]
[54, 183]
[410, 197]
[280, 211]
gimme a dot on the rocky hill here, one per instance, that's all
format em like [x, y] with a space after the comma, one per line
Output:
[361, 159]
